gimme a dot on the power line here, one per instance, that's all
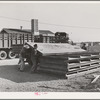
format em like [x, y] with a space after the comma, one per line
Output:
[69, 26]
[14, 19]
[50, 23]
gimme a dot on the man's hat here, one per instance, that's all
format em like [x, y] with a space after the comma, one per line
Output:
[35, 45]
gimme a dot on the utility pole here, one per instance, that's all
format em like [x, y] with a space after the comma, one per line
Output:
[34, 28]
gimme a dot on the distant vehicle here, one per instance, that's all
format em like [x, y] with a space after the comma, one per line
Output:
[61, 37]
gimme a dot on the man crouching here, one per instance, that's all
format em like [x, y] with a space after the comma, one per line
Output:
[25, 54]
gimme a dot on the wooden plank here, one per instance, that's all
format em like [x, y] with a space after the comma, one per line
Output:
[82, 53]
[89, 62]
[95, 79]
[11, 39]
[5, 40]
[2, 39]
[69, 58]
[95, 55]
[8, 39]
[85, 56]
[84, 68]
[82, 73]
[79, 59]
[74, 65]
[85, 59]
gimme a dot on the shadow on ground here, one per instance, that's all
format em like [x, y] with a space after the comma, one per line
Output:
[11, 72]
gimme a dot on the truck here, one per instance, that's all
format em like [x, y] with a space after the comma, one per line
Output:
[16, 37]
[7, 39]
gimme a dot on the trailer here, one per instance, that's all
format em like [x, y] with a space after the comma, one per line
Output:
[17, 37]
[7, 39]
[5, 46]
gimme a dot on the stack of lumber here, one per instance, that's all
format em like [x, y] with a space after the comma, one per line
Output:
[53, 64]
[71, 65]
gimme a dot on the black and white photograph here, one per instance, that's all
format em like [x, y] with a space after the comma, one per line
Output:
[50, 47]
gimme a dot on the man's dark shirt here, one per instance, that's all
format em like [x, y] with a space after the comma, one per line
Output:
[36, 55]
[25, 52]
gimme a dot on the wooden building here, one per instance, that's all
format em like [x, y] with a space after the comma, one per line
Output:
[20, 36]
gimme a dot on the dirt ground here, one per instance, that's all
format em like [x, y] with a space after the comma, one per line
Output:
[11, 80]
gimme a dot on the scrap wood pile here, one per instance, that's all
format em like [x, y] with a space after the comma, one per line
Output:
[66, 59]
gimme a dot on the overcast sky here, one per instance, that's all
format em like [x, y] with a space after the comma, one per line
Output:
[77, 15]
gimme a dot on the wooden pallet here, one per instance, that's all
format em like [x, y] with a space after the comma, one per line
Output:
[85, 72]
